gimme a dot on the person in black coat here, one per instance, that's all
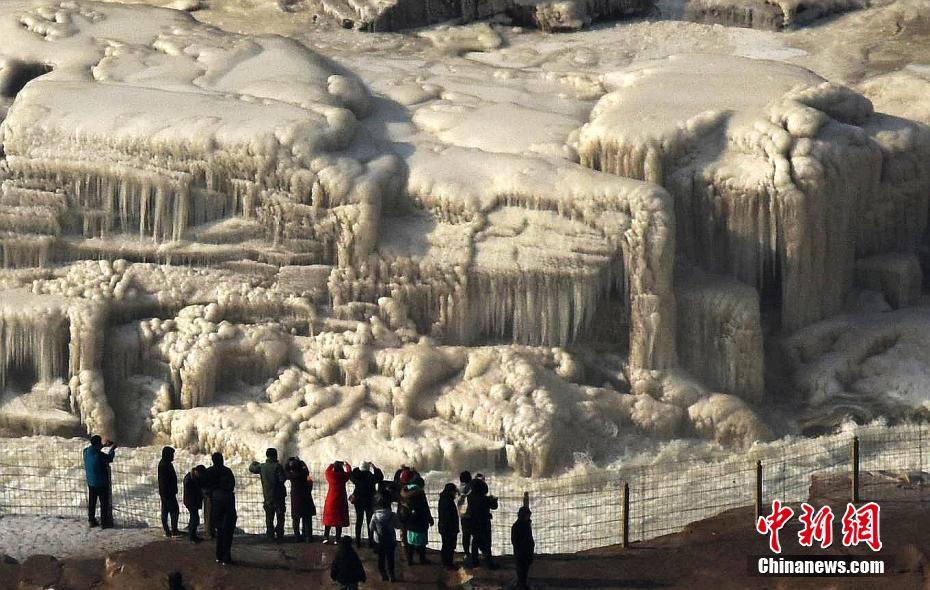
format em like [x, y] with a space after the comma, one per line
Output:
[521, 536]
[415, 515]
[480, 505]
[302, 507]
[192, 496]
[448, 523]
[220, 486]
[347, 569]
[366, 480]
[168, 491]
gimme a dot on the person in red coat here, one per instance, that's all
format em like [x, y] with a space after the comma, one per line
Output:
[336, 508]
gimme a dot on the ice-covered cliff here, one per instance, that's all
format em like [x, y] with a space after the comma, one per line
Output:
[230, 241]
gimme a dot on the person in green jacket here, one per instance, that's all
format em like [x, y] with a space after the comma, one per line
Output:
[273, 491]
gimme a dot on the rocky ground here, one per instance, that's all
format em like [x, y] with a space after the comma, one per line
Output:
[710, 554]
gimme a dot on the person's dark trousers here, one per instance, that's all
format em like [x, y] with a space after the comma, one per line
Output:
[101, 494]
[106, 507]
[169, 507]
[193, 523]
[448, 548]
[224, 516]
[466, 537]
[363, 514]
[418, 549]
[523, 572]
[386, 560]
[274, 519]
[326, 533]
[481, 542]
[303, 530]
[93, 494]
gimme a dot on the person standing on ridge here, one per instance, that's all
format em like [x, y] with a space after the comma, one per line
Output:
[221, 484]
[366, 479]
[273, 492]
[448, 524]
[192, 496]
[336, 508]
[418, 520]
[168, 491]
[99, 484]
[302, 507]
[521, 537]
[465, 481]
[404, 477]
[383, 532]
[480, 505]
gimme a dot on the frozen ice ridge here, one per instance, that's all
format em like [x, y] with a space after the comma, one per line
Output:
[228, 241]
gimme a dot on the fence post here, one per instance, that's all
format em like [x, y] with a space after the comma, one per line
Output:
[625, 539]
[854, 452]
[758, 489]
[526, 499]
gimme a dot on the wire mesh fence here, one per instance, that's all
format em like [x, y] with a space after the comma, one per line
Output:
[45, 477]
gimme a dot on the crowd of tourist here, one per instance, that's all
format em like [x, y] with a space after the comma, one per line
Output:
[466, 509]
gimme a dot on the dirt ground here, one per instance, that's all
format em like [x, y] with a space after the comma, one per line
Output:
[711, 554]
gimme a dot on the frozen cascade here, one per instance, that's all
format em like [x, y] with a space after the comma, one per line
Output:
[635, 221]
[774, 155]
[205, 152]
[571, 15]
[719, 332]
[34, 342]
[310, 318]
[52, 337]
[547, 15]
[897, 276]
[770, 15]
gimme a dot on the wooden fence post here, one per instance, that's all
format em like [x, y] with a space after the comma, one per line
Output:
[626, 516]
[854, 452]
[526, 499]
[758, 489]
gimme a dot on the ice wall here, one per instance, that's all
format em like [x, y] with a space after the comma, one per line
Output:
[761, 157]
[223, 135]
[547, 15]
[860, 367]
[770, 15]
[45, 338]
[316, 266]
[720, 336]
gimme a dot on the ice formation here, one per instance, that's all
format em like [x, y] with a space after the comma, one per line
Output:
[760, 158]
[866, 366]
[759, 14]
[229, 241]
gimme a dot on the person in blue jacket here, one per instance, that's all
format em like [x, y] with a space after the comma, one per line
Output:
[99, 485]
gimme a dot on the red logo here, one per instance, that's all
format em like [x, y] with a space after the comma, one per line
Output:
[860, 525]
[773, 523]
[817, 526]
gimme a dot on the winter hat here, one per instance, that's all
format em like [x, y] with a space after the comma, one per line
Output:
[366, 466]
[406, 476]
